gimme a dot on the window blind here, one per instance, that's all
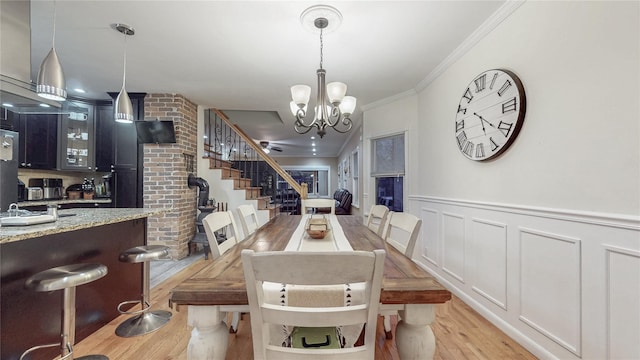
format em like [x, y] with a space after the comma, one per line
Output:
[388, 156]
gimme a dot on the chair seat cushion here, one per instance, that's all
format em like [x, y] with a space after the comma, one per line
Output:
[315, 337]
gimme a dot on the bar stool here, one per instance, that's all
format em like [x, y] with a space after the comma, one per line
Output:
[145, 321]
[66, 278]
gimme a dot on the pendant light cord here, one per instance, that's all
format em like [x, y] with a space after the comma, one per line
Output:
[54, 25]
[124, 72]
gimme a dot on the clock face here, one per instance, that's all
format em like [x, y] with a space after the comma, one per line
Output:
[490, 114]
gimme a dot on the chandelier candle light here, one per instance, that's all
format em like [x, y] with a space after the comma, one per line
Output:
[332, 108]
[123, 106]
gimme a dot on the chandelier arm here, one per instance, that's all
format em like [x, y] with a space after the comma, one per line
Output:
[300, 115]
[346, 122]
[297, 126]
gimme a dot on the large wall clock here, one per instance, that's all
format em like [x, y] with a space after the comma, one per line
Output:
[490, 114]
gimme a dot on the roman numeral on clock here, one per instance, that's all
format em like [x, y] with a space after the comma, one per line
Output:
[509, 105]
[462, 139]
[467, 95]
[480, 82]
[480, 150]
[468, 148]
[493, 81]
[459, 125]
[504, 87]
[462, 110]
[505, 128]
[494, 146]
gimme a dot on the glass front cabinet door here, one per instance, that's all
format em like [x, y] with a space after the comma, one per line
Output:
[76, 137]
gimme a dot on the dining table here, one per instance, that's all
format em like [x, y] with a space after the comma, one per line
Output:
[219, 287]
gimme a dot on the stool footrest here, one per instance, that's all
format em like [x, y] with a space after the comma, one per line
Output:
[37, 347]
[145, 307]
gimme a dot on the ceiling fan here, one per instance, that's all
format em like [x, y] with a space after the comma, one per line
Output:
[265, 145]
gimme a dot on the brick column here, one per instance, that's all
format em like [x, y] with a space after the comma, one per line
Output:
[165, 174]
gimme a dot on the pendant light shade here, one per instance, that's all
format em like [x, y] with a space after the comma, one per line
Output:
[123, 106]
[51, 84]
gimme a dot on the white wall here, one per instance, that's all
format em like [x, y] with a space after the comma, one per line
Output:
[545, 240]
[399, 116]
[579, 147]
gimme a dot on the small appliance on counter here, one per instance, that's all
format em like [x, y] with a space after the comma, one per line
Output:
[51, 187]
[74, 192]
[34, 193]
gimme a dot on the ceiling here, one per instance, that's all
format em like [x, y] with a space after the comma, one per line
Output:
[243, 56]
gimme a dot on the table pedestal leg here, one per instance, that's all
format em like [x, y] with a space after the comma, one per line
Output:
[414, 337]
[210, 335]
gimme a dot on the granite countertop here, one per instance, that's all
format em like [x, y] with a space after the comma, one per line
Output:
[83, 219]
[63, 201]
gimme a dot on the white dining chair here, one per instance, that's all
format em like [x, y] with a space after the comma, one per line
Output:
[402, 228]
[317, 203]
[311, 269]
[377, 219]
[248, 219]
[223, 223]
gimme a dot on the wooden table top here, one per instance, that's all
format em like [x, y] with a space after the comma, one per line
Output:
[222, 282]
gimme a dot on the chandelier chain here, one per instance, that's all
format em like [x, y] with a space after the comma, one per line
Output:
[321, 47]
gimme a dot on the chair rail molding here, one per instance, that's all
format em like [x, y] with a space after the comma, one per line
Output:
[621, 221]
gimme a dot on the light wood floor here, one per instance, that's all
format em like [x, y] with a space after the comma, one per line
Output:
[461, 333]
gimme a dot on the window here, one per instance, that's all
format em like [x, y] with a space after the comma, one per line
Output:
[387, 168]
[317, 180]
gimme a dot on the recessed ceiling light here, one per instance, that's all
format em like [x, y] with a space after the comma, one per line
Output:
[78, 90]
[313, 144]
[44, 105]
[205, 136]
[313, 138]
[7, 105]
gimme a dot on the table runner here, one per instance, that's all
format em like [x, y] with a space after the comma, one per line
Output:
[317, 295]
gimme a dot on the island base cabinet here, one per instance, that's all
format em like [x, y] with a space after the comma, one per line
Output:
[30, 318]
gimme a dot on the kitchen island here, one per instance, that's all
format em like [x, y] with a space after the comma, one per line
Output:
[29, 318]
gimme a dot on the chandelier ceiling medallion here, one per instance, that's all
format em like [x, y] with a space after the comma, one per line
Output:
[333, 108]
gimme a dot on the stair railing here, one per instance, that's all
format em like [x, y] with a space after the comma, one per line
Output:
[232, 144]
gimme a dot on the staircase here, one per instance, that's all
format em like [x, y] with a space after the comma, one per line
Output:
[240, 184]
[238, 167]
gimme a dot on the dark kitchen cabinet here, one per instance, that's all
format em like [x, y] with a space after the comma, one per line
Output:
[76, 140]
[104, 135]
[118, 150]
[38, 140]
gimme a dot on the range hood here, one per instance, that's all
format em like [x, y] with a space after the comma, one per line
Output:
[16, 87]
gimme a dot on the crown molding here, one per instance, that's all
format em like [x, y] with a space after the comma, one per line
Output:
[491, 23]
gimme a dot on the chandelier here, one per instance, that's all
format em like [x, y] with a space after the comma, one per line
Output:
[332, 108]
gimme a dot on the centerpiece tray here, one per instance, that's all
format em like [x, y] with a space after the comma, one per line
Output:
[317, 227]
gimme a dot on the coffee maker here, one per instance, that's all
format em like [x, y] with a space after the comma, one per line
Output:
[51, 187]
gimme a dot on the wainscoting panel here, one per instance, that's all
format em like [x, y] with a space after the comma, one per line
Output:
[623, 300]
[488, 258]
[550, 286]
[453, 234]
[564, 284]
[430, 238]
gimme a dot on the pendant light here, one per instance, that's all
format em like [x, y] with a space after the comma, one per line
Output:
[123, 106]
[50, 83]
